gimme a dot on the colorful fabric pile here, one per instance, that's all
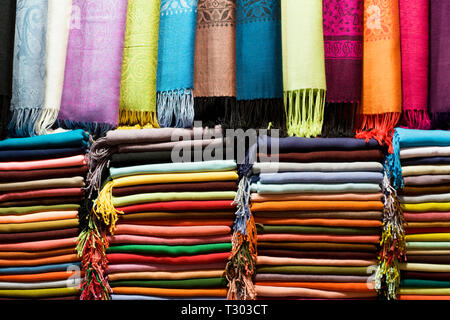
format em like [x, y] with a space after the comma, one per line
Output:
[41, 187]
[317, 205]
[169, 208]
[420, 168]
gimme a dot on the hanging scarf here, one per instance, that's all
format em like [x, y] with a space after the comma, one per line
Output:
[440, 64]
[7, 23]
[342, 28]
[259, 78]
[215, 62]
[58, 24]
[140, 59]
[29, 67]
[94, 59]
[303, 66]
[414, 37]
[382, 88]
[176, 47]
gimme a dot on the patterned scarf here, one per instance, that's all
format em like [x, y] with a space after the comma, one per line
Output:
[140, 59]
[343, 30]
[303, 66]
[58, 25]
[215, 62]
[414, 28]
[29, 67]
[440, 64]
[382, 88]
[7, 27]
[176, 47]
[259, 78]
[94, 60]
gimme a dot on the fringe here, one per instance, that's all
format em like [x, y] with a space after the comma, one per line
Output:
[393, 243]
[46, 121]
[23, 121]
[440, 120]
[241, 266]
[175, 108]
[137, 119]
[97, 130]
[304, 112]
[339, 120]
[379, 127]
[416, 119]
[213, 111]
[104, 208]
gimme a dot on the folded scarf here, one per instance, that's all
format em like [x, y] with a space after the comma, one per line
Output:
[72, 161]
[417, 191]
[218, 165]
[439, 64]
[39, 235]
[215, 62]
[39, 154]
[347, 215]
[175, 187]
[100, 58]
[58, 25]
[29, 62]
[39, 245]
[416, 152]
[177, 147]
[171, 232]
[316, 254]
[430, 160]
[165, 275]
[320, 177]
[255, 197]
[41, 201]
[165, 292]
[7, 22]
[40, 285]
[30, 175]
[314, 188]
[115, 258]
[343, 30]
[441, 197]
[330, 270]
[425, 207]
[43, 193]
[36, 255]
[185, 283]
[275, 291]
[422, 297]
[428, 230]
[435, 259]
[381, 103]
[427, 246]
[41, 216]
[427, 180]
[71, 182]
[39, 226]
[318, 246]
[292, 226]
[142, 297]
[180, 206]
[414, 35]
[39, 269]
[37, 208]
[310, 278]
[267, 260]
[435, 224]
[304, 81]
[191, 222]
[188, 250]
[339, 287]
[425, 275]
[175, 216]
[264, 167]
[432, 237]
[142, 240]
[284, 237]
[175, 78]
[420, 170]
[47, 276]
[421, 291]
[316, 205]
[36, 262]
[39, 293]
[134, 270]
[259, 79]
[327, 156]
[428, 216]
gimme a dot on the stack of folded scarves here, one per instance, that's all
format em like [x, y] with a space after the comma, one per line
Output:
[41, 187]
[424, 196]
[172, 221]
[317, 205]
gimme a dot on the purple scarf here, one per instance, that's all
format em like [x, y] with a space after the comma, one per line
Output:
[93, 66]
[440, 64]
[342, 29]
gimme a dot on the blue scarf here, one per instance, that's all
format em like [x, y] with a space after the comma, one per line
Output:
[176, 48]
[29, 66]
[259, 79]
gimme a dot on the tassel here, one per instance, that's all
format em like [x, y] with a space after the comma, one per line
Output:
[212, 111]
[46, 121]
[132, 119]
[440, 120]
[23, 121]
[104, 208]
[339, 120]
[97, 130]
[177, 104]
[304, 110]
[416, 119]
[379, 127]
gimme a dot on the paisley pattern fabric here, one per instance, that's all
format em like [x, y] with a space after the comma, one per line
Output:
[94, 60]
[29, 66]
[140, 59]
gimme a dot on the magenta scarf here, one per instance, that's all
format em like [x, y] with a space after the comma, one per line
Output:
[93, 66]
[414, 35]
[343, 30]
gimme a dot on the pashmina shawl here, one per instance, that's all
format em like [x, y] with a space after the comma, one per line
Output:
[140, 60]
[29, 67]
[7, 27]
[414, 35]
[303, 66]
[382, 85]
[215, 62]
[343, 30]
[259, 78]
[90, 96]
[439, 64]
[176, 48]
[58, 25]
